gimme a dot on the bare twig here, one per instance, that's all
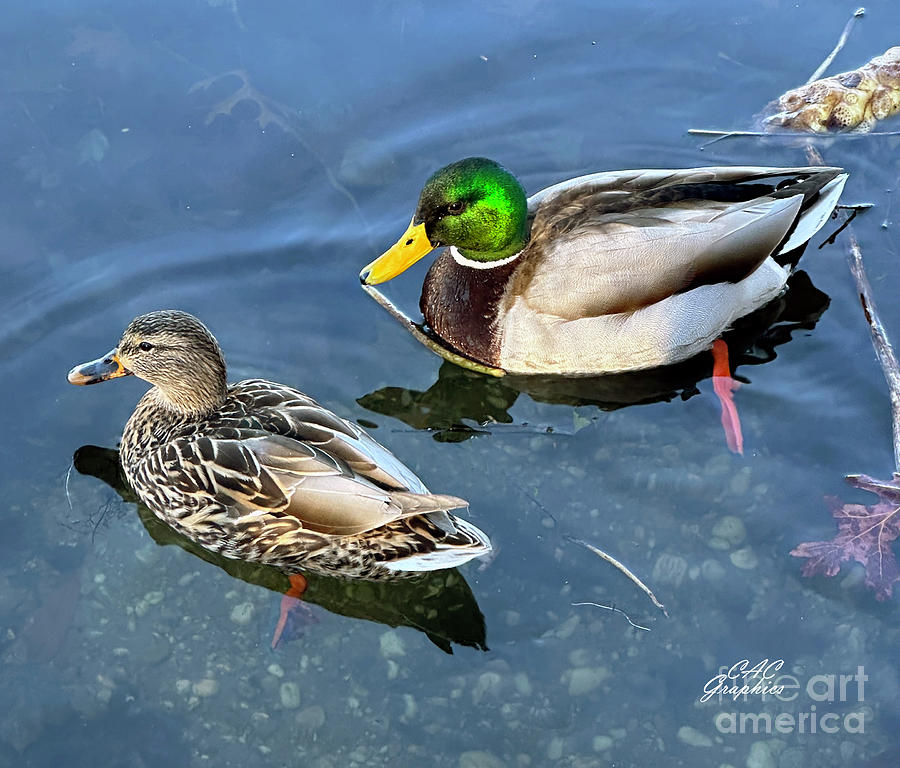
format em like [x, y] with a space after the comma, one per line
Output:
[624, 569]
[842, 40]
[68, 495]
[721, 135]
[433, 344]
[615, 610]
[884, 350]
[890, 490]
[833, 236]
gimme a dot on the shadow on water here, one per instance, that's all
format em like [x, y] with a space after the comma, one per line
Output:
[440, 603]
[461, 397]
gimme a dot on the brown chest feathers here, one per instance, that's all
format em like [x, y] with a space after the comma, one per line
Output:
[460, 304]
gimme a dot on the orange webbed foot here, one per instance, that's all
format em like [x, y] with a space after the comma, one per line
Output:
[290, 601]
[724, 386]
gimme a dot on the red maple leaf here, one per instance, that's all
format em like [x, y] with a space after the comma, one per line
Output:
[865, 534]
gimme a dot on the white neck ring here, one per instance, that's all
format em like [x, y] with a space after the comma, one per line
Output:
[464, 262]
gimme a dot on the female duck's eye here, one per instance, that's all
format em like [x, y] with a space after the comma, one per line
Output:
[145, 346]
[456, 206]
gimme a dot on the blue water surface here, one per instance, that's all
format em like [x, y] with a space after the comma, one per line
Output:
[242, 160]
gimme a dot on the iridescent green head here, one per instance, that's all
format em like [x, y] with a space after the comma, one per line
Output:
[474, 204]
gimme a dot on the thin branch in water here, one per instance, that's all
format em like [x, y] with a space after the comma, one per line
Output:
[884, 351]
[889, 491]
[833, 236]
[547, 512]
[720, 135]
[886, 222]
[615, 610]
[434, 344]
[842, 40]
[791, 134]
[68, 496]
[623, 569]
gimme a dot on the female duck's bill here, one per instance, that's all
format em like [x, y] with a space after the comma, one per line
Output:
[102, 369]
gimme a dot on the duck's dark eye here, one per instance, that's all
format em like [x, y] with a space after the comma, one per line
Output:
[456, 206]
[145, 346]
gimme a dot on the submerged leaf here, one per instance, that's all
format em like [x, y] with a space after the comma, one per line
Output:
[865, 534]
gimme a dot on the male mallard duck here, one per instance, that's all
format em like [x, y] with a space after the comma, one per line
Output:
[259, 471]
[608, 272]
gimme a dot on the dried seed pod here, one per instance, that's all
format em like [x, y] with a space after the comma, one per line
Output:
[850, 101]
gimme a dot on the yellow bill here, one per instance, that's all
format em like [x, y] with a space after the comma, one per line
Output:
[408, 250]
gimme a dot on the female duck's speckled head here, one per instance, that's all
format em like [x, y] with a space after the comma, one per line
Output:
[172, 350]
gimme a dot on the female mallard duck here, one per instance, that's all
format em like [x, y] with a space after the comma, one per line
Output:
[609, 272]
[259, 471]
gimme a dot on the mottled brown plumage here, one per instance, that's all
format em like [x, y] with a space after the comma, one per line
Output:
[259, 471]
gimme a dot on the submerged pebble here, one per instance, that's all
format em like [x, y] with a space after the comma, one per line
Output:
[410, 708]
[311, 718]
[480, 759]
[601, 743]
[568, 627]
[792, 758]
[488, 683]
[583, 680]
[392, 645]
[731, 529]
[744, 558]
[522, 683]
[713, 571]
[556, 748]
[740, 482]
[692, 737]
[156, 650]
[763, 754]
[242, 613]
[206, 687]
[289, 693]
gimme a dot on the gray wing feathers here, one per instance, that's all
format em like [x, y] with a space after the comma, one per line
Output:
[619, 263]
